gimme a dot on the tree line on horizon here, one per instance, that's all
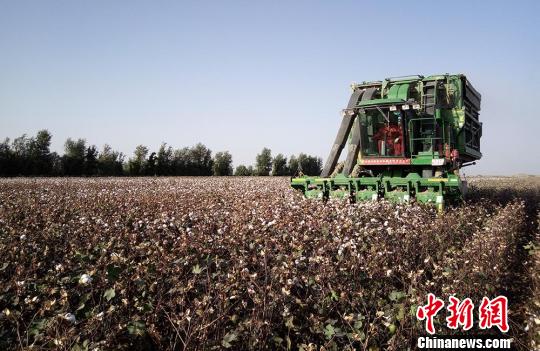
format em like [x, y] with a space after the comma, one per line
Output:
[31, 156]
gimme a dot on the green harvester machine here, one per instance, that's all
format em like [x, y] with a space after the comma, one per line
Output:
[407, 137]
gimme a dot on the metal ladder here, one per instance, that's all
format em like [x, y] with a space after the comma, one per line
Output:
[428, 99]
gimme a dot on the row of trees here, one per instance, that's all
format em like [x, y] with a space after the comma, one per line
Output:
[31, 156]
[279, 166]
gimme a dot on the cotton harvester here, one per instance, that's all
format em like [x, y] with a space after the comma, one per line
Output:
[407, 138]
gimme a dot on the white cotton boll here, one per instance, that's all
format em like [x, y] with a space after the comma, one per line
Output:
[22, 237]
[85, 279]
[70, 317]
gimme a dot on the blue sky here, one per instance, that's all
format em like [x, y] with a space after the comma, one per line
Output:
[241, 75]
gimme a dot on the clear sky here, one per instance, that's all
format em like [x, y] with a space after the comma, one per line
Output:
[241, 75]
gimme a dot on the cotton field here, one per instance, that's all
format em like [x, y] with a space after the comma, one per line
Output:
[247, 263]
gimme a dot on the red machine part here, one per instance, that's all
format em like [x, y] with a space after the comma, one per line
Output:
[392, 135]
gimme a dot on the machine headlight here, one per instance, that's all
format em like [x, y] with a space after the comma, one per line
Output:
[416, 106]
[405, 107]
[393, 108]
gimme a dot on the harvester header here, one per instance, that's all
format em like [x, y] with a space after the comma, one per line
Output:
[407, 138]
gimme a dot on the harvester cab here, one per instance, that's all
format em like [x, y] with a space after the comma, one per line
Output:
[407, 138]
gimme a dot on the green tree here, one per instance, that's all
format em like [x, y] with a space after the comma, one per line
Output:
[57, 166]
[181, 161]
[27, 156]
[150, 167]
[223, 164]
[279, 165]
[21, 149]
[293, 165]
[164, 163]
[7, 166]
[40, 154]
[110, 162]
[263, 162]
[91, 161]
[310, 165]
[137, 164]
[243, 171]
[200, 160]
[74, 155]
[21, 145]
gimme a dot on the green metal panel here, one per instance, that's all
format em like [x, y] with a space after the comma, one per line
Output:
[380, 102]
[399, 92]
